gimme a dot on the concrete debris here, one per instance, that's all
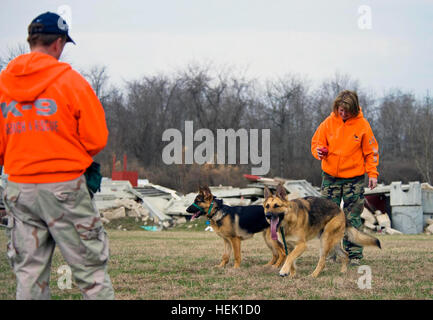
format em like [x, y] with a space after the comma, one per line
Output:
[105, 220]
[378, 222]
[112, 214]
[166, 224]
[237, 202]
[300, 189]
[368, 217]
[117, 200]
[230, 192]
[154, 204]
[429, 229]
[383, 220]
[180, 220]
[258, 202]
[392, 231]
[426, 186]
[369, 225]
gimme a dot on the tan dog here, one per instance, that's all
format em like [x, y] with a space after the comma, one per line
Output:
[306, 218]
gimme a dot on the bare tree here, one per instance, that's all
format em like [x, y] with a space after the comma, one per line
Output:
[421, 132]
[11, 53]
[98, 78]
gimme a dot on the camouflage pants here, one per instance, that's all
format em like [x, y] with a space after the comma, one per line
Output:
[43, 215]
[351, 190]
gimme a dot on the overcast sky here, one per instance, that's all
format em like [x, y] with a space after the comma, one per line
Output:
[266, 38]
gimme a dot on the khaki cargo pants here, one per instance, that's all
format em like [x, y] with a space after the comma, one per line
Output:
[43, 215]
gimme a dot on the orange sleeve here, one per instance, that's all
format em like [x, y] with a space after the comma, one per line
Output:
[92, 126]
[370, 149]
[319, 139]
[2, 141]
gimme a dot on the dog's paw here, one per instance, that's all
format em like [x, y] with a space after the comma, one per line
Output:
[284, 274]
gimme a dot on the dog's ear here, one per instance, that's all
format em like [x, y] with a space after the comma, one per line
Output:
[281, 192]
[206, 192]
[267, 193]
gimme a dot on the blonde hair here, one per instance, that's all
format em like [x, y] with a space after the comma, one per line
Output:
[348, 100]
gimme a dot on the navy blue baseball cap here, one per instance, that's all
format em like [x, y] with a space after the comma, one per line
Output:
[51, 23]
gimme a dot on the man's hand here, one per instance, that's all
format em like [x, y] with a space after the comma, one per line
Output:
[372, 183]
[322, 152]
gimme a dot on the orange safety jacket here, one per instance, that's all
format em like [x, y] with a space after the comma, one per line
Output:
[352, 147]
[52, 122]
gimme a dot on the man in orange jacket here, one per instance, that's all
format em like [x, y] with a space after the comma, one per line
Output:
[52, 124]
[346, 145]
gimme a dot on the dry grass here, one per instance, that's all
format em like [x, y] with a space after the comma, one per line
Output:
[179, 264]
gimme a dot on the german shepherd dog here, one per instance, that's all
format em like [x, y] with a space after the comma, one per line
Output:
[306, 218]
[235, 224]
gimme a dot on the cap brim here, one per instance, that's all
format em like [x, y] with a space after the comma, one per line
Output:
[69, 39]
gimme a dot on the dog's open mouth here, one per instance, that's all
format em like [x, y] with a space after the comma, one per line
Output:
[274, 224]
[195, 215]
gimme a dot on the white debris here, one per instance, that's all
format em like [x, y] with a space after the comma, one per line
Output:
[392, 231]
[112, 214]
[368, 216]
[369, 225]
[384, 220]
[429, 229]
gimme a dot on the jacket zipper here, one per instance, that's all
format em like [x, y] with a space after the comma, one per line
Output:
[339, 156]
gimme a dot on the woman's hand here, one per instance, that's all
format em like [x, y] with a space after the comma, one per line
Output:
[322, 152]
[372, 183]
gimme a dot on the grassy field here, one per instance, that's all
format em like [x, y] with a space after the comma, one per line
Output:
[179, 264]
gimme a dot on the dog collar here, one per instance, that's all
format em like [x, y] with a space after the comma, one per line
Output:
[201, 209]
[198, 207]
[210, 208]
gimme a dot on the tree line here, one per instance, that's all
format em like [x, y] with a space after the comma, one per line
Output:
[223, 98]
[290, 106]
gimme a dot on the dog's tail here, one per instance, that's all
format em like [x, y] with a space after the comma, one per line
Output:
[361, 238]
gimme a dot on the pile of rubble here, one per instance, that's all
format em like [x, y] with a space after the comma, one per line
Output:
[378, 222]
[118, 199]
[155, 207]
[154, 204]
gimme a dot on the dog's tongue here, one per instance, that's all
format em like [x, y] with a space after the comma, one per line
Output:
[274, 223]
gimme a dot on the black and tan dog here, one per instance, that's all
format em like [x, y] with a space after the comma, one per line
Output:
[235, 224]
[306, 218]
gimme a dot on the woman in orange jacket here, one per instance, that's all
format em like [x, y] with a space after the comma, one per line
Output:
[346, 145]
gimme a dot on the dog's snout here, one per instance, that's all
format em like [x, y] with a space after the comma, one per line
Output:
[268, 215]
[191, 209]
